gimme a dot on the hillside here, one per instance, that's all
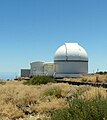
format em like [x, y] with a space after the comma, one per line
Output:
[31, 102]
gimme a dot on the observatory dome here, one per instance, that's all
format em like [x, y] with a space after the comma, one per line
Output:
[71, 51]
[70, 60]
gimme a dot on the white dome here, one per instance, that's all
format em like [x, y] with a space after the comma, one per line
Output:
[70, 52]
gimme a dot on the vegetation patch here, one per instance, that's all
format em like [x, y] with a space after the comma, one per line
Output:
[58, 101]
[79, 109]
[37, 80]
[53, 92]
[99, 77]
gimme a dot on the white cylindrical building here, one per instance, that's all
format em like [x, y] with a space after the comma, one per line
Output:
[70, 60]
[37, 68]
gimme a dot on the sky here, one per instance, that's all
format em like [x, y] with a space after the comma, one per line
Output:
[32, 30]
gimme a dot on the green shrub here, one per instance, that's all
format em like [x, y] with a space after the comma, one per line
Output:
[37, 80]
[83, 110]
[53, 92]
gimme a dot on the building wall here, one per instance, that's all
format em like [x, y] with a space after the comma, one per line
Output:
[71, 67]
[67, 69]
[25, 72]
[37, 68]
[49, 69]
[42, 68]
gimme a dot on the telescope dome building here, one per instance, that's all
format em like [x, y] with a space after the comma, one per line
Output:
[70, 60]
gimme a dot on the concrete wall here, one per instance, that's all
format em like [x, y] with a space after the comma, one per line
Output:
[25, 72]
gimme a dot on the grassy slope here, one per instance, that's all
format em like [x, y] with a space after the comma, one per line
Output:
[19, 101]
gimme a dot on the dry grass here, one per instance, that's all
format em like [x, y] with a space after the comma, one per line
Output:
[46, 107]
[93, 93]
[89, 78]
[14, 97]
[23, 102]
[19, 100]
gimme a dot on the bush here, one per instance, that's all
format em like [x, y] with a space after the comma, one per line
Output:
[37, 80]
[101, 73]
[83, 110]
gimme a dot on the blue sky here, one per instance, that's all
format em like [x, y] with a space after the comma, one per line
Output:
[32, 30]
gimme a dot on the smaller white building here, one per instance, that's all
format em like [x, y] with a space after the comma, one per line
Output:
[49, 69]
[37, 68]
[42, 68]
